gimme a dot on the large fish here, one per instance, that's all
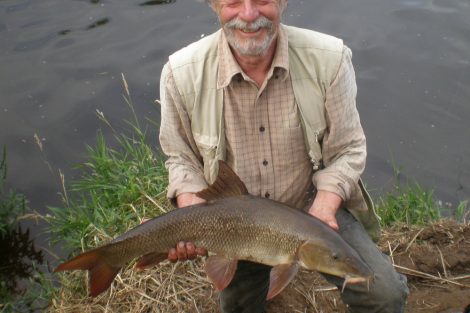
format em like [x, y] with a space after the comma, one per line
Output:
[233, 225]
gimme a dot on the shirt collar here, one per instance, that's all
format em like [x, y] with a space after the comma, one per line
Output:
[228, 66]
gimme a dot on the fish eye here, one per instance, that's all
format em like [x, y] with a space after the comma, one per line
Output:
[335, 256]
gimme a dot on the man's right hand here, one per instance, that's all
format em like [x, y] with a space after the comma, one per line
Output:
[186, 250]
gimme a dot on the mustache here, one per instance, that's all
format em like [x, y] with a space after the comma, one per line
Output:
[260, 22]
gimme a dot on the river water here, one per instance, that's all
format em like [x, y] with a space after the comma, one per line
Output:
[61, 60]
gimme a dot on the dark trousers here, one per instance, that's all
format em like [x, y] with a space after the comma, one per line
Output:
[387, 292]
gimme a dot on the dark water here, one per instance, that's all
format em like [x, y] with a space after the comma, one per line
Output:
[61, 60]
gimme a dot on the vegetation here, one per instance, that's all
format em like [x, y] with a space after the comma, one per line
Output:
[413, 205]
[118, 187]
[23, 287]
[12, 204]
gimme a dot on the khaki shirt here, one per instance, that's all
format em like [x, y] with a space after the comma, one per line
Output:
[265, 143]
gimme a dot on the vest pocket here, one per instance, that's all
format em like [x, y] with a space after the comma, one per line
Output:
[207, 146]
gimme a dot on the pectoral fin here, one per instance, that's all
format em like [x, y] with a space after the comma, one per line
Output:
[150, 260]
[280, 277]
[220, 271]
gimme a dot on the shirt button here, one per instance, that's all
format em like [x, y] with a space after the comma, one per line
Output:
[262, 129]
[265, 162]
[267, 195]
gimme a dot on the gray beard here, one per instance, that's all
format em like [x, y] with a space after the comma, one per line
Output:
[249, 47]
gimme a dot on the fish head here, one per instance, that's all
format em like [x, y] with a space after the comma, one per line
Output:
[335, 258]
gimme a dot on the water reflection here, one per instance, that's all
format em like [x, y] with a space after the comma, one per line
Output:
[100, 22]
[149, 2]
[157, 2]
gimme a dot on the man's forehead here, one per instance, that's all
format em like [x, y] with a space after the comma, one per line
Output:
[219, 1]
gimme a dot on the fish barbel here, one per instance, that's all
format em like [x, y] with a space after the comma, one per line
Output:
[232, 225]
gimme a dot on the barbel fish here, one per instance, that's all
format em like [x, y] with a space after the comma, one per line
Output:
[232, 225]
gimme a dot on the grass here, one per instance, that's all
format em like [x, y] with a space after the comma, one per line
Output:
[12, 204]
[118, 187]
[412, 204]
[23, 286]
[115, 191]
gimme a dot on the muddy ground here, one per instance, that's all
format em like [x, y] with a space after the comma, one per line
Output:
[436, 260]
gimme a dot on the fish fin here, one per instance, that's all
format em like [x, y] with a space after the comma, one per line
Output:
[101, 273]
[227, 184]
[280, 277]
[220, 271]
[150, 259]
[101, 277]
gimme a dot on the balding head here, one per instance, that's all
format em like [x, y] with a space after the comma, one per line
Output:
[213, 4]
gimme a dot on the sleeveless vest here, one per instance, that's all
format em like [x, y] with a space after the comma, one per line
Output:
[314, 59]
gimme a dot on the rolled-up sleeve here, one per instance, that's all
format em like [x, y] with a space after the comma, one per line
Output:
[344, 142]
[184, 162]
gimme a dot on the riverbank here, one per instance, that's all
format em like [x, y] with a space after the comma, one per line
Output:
[118, 191]
[434, 257]
[119, 187]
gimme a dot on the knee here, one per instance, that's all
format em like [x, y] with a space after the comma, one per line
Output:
[389, 294]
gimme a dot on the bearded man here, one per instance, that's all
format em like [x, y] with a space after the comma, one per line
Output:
[278, 104]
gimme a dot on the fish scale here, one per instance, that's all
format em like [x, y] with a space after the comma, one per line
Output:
[239, 225]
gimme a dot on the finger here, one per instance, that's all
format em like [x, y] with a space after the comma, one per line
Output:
[190, 250]
[172, 257]
[333, 224]
[144, 220]
[181, 251]
[201, 251]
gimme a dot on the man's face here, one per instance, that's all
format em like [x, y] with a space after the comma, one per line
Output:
[250, 25]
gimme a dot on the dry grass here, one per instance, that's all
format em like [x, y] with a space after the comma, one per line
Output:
[180, 287]
[183, 287]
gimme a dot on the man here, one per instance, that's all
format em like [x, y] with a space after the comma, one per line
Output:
[277, 103]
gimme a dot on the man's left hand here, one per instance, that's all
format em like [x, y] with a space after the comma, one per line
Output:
[325, 206]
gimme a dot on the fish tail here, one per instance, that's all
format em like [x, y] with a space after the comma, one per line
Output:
[101, 273]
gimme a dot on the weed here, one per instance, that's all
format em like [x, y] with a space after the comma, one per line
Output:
[414, 205]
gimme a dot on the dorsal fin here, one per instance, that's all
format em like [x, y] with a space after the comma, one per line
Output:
[227, 184]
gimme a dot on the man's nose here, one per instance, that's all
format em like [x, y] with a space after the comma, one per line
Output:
[249, 12]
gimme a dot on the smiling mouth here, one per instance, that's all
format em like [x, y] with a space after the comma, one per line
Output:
[249, 30]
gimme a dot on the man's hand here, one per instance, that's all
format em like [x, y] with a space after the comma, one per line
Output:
[187, 199]
[186, 250]
[325, 206]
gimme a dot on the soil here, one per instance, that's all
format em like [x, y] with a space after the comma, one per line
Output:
[436, 260]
